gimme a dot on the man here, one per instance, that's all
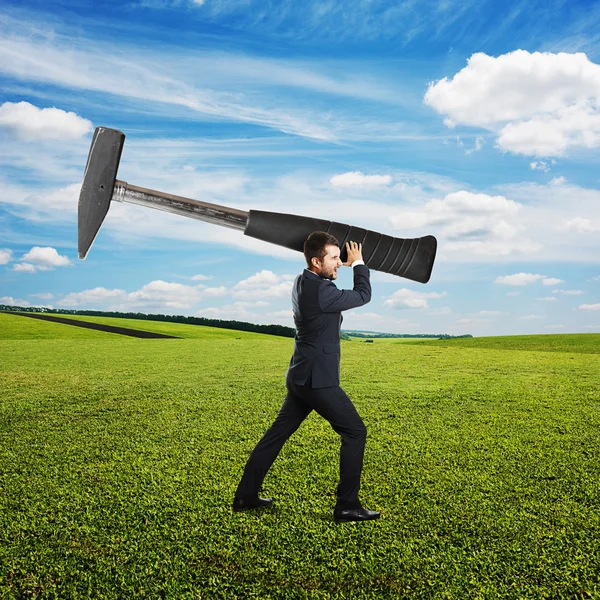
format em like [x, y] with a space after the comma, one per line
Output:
[313, 377]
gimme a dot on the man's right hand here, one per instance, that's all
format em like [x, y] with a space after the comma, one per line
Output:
[354, 251]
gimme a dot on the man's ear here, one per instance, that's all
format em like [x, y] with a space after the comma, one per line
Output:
[315, 262]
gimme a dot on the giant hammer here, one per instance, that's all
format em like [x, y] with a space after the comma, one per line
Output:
[409, 258]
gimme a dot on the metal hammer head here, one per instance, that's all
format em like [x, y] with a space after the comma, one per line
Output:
[98, 184]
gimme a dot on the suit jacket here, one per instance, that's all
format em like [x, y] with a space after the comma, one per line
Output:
[318, 304]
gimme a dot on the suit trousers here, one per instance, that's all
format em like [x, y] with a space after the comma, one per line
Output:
[333, 404]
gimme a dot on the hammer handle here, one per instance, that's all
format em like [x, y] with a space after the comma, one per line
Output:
[409, 258]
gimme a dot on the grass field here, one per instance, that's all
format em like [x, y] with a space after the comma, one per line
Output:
[570, 342]
[12, 327]
[119, 458]
[387, 340]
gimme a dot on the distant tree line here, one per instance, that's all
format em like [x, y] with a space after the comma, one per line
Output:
[281, 330]
[362, 334]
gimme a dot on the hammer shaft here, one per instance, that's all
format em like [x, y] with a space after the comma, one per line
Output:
[178, 205]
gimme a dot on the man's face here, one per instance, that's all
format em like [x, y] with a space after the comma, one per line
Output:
[330, 264]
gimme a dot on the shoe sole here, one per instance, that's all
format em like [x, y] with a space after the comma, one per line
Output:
[355, 520]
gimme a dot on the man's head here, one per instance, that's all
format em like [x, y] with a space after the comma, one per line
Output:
[322, 254]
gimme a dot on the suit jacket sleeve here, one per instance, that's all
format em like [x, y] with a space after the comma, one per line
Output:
[333, 300]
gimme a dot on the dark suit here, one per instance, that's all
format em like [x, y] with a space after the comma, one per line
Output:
[312, 381]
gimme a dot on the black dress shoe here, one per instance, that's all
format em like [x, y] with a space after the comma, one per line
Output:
[344, 515]
[240, 504]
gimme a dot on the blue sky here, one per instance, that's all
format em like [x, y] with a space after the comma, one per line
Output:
[477, 122]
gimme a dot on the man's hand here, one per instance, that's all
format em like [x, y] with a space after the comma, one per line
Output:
[354, 251]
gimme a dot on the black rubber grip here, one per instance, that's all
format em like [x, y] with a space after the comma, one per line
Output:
[409, 258]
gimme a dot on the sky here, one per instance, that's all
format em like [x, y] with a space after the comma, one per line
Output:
[477, 122]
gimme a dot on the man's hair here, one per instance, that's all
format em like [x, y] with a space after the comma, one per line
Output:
[314, 246]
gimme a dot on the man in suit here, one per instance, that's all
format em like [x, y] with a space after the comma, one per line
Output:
[313, 377]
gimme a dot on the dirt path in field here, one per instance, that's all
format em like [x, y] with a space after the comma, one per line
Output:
[98, 326]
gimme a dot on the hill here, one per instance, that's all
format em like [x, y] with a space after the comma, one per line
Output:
[274, 329]
[15, 327]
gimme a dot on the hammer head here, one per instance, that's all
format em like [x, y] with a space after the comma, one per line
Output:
[98, 184]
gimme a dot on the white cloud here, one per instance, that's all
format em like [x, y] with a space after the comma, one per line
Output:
[491, 313]
[356, 178]
[43, 296]
[157, 294]
[257, 303]
[547, 299]
[40, 204]
[546, 209]
[5, 256]
[519, 279]
[558, 180]
[456, 206]
[569, 292]
[406, 298]
[530, 318]
[27, 268]
[539, 166]
[65, 198]
[165, 294]
[41, 259]
[581, 225]
[479, 142]
[47, 257]
[589, 307]
[264, 284]
[283, 314]
[471, 223]
[214, 292]
[513, 294]
[537, 103]
[26, 121]
[201, 277]
[526, 279]
[237, 311]
[10, 301]
[280, 317]
[91, 298]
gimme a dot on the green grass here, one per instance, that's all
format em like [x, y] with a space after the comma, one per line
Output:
[587, 343]
[12, 327]
[15, 327]
[119, 458]
[377, 340]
